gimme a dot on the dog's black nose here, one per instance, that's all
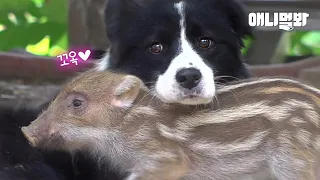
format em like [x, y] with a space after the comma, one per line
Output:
[188, 77]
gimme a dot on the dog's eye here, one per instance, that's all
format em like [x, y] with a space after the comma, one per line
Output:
[205, 43]
[156, 48]
[77, 103]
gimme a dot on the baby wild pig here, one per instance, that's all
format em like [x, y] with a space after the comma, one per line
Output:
[257, 128]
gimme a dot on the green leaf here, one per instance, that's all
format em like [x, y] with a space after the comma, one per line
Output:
[316, 51]
[14, 37]
[295, 38]
[2, 27]
[60, 47]
[13, 6]
[18, 8]
[44, 20]
[247, 44]
[34, 10]
[56, 50]
[63, 41]
[9, 5]
[25, 34]
[4, 20]
[56, 32]
[300, 50]
[20, 16]
[38, 3]
[311, 39]
[41, 48]
[56, 11]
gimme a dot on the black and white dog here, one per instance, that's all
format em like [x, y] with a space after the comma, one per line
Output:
[179, 48]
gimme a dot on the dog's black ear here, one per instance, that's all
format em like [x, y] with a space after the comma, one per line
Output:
[98, 53]
[118, 13]
[238, 16]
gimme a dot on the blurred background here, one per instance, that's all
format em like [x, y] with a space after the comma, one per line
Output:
[34, 32]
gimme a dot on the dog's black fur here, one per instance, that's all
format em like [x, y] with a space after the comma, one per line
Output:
[132, 26]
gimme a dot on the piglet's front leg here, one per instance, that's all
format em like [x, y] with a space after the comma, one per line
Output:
[167, 169]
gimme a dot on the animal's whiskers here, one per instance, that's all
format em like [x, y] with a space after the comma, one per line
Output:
[225, 76]
[222, 85]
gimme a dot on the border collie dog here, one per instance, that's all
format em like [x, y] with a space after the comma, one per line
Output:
[180, 49]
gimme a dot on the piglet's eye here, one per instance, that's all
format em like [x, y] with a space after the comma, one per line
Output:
[77, 103]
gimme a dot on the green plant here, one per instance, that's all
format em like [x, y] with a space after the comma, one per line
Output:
[311, 40]
[247, 44]
[38, 26]
[301, 43]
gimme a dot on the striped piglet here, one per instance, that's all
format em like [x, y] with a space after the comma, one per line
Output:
[253, 129]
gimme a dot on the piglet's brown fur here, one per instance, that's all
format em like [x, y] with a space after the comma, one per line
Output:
[254, 129]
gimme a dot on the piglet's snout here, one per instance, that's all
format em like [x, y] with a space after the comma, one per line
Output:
[36, 132]
[29, 134]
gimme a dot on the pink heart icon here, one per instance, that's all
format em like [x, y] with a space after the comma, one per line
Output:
[84, 56]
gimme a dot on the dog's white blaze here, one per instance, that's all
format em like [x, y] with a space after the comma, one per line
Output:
[167, 87]
[103, 63]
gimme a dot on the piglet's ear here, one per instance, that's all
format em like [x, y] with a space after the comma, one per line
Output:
[127, 91]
